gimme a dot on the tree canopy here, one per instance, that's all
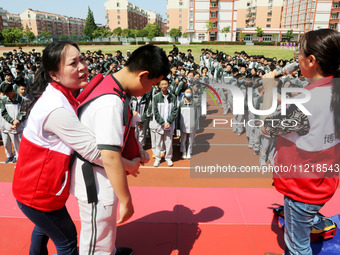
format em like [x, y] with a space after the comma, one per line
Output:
[90, 25]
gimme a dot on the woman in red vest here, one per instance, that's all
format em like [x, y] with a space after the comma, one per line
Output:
[42, 178]
[307, 151]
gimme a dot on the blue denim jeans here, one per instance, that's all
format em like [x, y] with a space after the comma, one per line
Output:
[299, 219]
[56, 225]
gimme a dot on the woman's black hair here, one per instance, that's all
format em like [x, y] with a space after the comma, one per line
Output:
[51, 58]
[324, 44]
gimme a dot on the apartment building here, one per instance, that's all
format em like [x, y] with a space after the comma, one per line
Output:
[56, 24]
[307, 15]
[121, 13]
[193, 16]
[13, 20]
[154, 17]
[334, 21]
[3, 19]
[259, 13]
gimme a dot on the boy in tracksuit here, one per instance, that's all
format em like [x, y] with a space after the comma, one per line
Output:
[164, 106]
[140, 105]
[188, 123]
[14, 115]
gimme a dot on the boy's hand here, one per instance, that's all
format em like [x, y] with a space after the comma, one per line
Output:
[125, 212]
[144, 157]
[133, 166]
[166, 125]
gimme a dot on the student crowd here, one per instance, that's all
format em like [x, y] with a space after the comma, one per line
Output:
[172, 108]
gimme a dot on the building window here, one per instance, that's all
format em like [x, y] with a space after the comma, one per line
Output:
[268, 25]
[118, 22]
[180, 15]
[270, 7]
[332, 26]
[213, 14]
[269, 20]
[180, 22]
[180, 3]
[117, 4]
[191, 25]
[118, 11]
[214, 24]
[118, 16]
[191, 3]
[335, 4]
[334, 16]
[180, 10]
[191, 14]
[180, 27]
[269, 14]
[270, 1]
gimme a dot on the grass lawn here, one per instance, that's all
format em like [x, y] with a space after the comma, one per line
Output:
[267, 51]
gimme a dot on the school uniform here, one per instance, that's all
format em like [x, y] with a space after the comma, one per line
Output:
[12, 110]
[165, 111]
[188, 124]
[140, 105]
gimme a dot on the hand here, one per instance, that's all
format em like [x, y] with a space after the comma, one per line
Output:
[144, 157]
[166, 125]
[125, 212]
[132, 166]
[134, 113]
[15, 122]
[226, 93]
[269, 81]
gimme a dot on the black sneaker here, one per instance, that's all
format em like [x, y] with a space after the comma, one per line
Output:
[124, 251]
[14, 160]
[9, 159]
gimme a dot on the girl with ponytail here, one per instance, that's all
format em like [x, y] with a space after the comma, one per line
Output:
[312, 147]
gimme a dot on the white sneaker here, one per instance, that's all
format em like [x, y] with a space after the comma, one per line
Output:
[157, 163]
[184, 156]
[188, 156]
[169, 162]
[263, 163]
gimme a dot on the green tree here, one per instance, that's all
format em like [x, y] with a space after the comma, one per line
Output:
[142, 33]
[289, 35]
[226, 30]
[126, 32]
[90, 25]
[210, 26]
[12, 34]
[259, 33]
[29, 34]
[117, 32]
[241, 35]
[185, 35]
[101, 32]
[175, 33]
[153, 30]
[44, 33]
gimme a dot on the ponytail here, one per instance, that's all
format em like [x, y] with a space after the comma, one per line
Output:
[37, 88]
[335, 102]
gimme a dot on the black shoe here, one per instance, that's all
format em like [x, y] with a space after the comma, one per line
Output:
[14, 160]
[124, 251]
[9, 159]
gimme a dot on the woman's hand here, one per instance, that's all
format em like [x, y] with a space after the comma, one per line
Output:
[269, 81]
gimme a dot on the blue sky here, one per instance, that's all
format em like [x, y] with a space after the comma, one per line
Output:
[77, 8]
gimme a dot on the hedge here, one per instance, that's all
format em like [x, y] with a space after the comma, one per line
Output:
[100, 43]
[264, 43]
[24, 44]
[224, 43]
[153, 42]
